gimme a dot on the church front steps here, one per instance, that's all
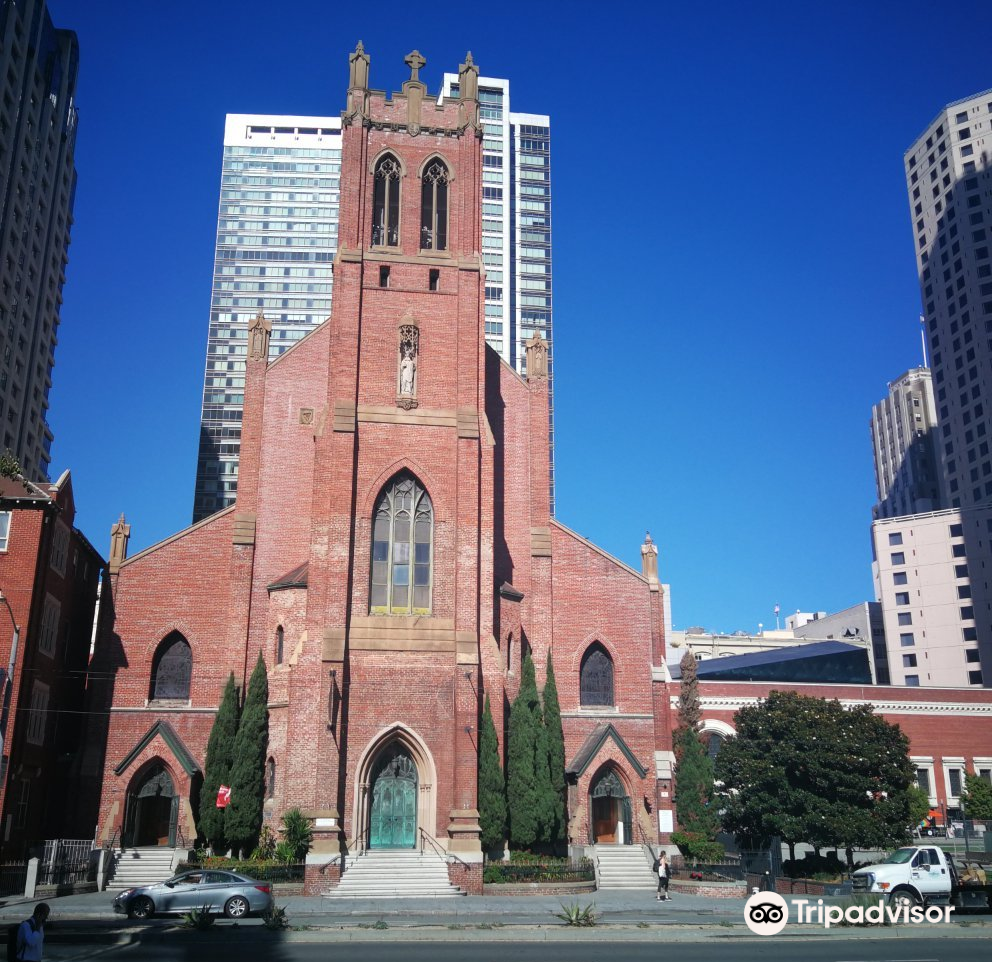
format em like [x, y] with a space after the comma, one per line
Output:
[624, 867]
[387, 873]
[134, 867]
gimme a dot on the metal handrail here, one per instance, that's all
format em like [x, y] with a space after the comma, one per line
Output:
[424, 834]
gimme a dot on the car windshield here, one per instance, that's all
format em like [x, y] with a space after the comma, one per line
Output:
[900, 856]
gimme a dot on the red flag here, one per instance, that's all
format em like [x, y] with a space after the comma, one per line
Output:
[223, 796]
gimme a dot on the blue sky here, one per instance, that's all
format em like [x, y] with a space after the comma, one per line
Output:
[734, 275]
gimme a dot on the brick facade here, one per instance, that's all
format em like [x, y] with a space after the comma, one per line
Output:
[49, 575]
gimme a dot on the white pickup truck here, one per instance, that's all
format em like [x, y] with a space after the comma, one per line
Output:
[923, 875]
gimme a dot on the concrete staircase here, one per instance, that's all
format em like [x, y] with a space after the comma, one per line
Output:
[392, 874]
[624, 867]
[141, 866]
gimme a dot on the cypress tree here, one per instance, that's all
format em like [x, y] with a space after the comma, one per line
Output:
[524, 801]
[689, 710]
[556, 757]
[243, 820]
[492, 786]
[217, 766]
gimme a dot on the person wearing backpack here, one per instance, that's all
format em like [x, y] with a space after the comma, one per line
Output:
[663, 876]
[31, 935]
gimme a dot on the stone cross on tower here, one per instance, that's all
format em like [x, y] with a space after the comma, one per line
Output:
[414, 61]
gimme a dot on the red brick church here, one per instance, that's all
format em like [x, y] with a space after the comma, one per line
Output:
[391, 554]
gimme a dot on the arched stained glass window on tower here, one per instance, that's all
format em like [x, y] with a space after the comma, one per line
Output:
[402, 549]
[596, 677]
[434, 207]
[386, 202]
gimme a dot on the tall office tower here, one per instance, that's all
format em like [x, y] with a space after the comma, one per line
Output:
[37, 188]
[516, 230]
[935, 584]
[277, 233]
[903, 434]
[277, 236]
[949, 179]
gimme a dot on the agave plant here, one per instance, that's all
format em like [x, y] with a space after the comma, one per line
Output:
[199, 919]
[575, 914]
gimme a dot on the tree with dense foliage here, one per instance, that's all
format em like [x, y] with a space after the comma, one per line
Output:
[977, 797]
[698, 819]
[217, 766]
[689, 710]
[492, 785]
[526, 801]
[243, 819]
[809, 770]
[555, 739]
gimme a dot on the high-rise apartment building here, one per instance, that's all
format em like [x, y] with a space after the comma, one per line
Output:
[903, 434]
[933, 596]
[277, 236]
[949, 178]
[37, 188]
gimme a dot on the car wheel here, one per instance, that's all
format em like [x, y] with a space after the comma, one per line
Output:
[903, 899]
[141, 908]
[236, 907]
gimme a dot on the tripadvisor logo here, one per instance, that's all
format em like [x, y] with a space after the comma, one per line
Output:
[767, 913]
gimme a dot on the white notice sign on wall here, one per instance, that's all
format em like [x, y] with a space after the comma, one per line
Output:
[665, 821]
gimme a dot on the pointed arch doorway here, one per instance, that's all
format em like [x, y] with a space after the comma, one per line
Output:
[393, 808]
[152, 809]
[610, 810]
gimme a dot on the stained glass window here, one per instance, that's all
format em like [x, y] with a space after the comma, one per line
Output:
[434, 207]
[596, 677]
[402, 549]
[172, 668]
[386, 203]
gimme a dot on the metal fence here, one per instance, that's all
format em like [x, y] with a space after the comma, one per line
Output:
[581, 870]
[727, 871]
[13, 876]
[65, 861]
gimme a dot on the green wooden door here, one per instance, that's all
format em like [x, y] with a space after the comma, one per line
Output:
[393, 822]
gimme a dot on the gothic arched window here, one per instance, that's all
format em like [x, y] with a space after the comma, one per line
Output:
[434, 207]
[596, 677]
[386, 202]
[402, 549]
[172, 668]
[270, 778]
[280, 641]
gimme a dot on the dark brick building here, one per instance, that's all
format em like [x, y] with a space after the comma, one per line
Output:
[50, 577]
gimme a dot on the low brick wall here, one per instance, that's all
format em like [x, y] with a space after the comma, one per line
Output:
[712, 890]
[790, 886]
[538, 888]
[321, 878]
[467, 877]
[284, 889]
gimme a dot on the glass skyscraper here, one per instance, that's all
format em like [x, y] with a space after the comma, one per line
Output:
[277, 236]
[277, 233]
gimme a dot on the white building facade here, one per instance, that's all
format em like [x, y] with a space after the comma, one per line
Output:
[935, 599]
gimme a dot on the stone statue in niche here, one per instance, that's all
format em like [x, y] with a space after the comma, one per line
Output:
[409, 351]
[259, 332]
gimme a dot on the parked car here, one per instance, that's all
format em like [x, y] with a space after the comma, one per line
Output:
[236, 895]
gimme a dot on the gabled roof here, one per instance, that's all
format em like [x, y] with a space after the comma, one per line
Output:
[171, 738]
[591, 746]
[297, 578]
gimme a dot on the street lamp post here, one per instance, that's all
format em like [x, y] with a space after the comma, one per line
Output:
[8, 681]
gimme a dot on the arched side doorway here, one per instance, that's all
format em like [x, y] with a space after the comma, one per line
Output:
[151, 809]
[610, 818]
[393, 809]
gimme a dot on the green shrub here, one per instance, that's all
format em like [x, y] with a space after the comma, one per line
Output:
[275, 918]
[297, 833]
[199, 919]
[266, 847]
[813, 864]
[574, 914]
[696, 847]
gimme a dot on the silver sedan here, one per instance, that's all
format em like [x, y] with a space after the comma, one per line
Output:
[236, 895]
